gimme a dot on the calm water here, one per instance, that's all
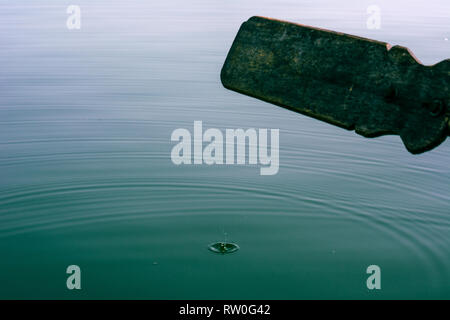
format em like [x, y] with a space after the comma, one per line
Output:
[86, 176]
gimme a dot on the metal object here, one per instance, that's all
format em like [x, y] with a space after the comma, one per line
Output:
[352, 82]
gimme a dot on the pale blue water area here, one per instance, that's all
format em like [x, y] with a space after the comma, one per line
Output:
[86, 176]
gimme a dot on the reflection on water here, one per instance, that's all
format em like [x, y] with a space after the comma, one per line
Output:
[86, 176]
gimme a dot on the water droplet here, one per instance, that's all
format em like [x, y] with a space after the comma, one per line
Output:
[223, 247]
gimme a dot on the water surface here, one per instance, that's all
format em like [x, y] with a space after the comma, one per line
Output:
[86, 176]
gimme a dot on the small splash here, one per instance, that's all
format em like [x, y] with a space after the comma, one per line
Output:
[223, 247]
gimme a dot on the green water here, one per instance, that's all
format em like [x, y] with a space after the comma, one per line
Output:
[86, 176]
